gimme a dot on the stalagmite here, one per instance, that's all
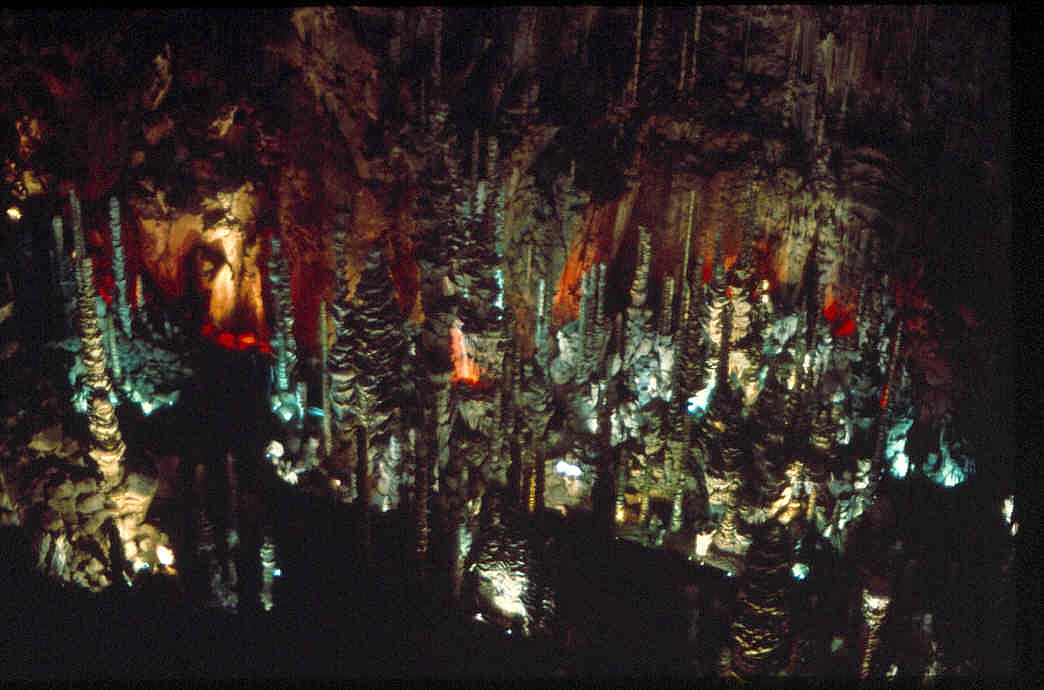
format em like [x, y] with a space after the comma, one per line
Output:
[119, 269]
[541, 318]
[600, 309]
[640, 285]
[283, 341]
[874, 608]
[581, 323]
[324, 378]
[92, 349]
[112, 347]
[79, 241]
[667, 310]
[106, 441]
[302, 403]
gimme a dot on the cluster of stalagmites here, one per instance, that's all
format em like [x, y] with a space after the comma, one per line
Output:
[368, 388]
[86, 510]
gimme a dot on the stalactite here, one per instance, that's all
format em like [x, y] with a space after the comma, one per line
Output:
[395, 43]
[475, 167]
[632, 88]
[746, 44]
[810, 38]
[436, 66]
[683, 76]
[697, 20]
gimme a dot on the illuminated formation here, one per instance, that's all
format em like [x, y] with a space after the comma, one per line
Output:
[471, 310]
[107, 446]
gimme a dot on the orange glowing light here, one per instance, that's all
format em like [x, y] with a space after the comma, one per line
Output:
[246, 340]
[465, 369]
[884, 397]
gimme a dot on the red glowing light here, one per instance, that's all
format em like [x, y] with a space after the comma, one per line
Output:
[239, 342]
[465, 369]
[708, 271]
[884, 397]
[840, 319]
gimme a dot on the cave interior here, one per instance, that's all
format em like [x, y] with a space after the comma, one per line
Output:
[515, 340]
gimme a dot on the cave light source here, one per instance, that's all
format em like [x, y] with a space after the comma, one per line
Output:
[698, 403]
[568, 469]
[164, 555]
[799, 571]
[14, 213]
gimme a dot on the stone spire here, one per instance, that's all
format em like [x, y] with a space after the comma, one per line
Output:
[874, 608]
[119, 270]
[640, 285]
[283, 307]
[106, 442]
